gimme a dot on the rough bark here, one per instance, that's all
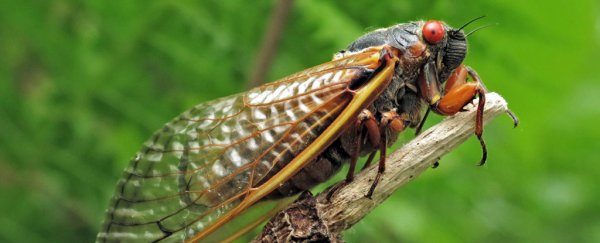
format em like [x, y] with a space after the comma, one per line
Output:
[316, 219]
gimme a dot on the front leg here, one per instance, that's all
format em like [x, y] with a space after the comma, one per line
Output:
[457, 94]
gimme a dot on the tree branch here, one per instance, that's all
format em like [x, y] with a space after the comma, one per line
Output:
[311, 218]
[270, 42]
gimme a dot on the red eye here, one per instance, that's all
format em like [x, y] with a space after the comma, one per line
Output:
[433, 31]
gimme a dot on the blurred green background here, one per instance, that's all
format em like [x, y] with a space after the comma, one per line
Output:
[84, 83]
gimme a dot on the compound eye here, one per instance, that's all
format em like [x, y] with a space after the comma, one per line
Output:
[433, 32]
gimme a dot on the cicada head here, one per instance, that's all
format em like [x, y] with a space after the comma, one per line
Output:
[420, 42]
[446, 45]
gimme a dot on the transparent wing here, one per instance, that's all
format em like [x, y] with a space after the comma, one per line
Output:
[202, 163]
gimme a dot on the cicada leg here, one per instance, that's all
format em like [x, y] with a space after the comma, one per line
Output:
[366, 122]
[457, 93]
[391, 121]
[367, 127]
[369, 160]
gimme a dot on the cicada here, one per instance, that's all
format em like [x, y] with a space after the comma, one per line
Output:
[213, 162]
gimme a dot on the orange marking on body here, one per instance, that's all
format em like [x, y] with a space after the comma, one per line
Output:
[397, 125]
[417, 49]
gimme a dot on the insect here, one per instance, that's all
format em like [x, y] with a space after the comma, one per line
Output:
[216, 160]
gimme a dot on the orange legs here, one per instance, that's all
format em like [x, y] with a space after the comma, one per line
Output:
[457, 93]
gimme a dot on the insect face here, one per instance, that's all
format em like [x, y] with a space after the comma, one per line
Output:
[447, 47]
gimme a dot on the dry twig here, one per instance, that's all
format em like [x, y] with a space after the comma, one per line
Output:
[270, 42]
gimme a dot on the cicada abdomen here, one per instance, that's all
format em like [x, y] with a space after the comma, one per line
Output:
[214, 161]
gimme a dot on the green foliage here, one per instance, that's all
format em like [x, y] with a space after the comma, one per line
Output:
[84, 83]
